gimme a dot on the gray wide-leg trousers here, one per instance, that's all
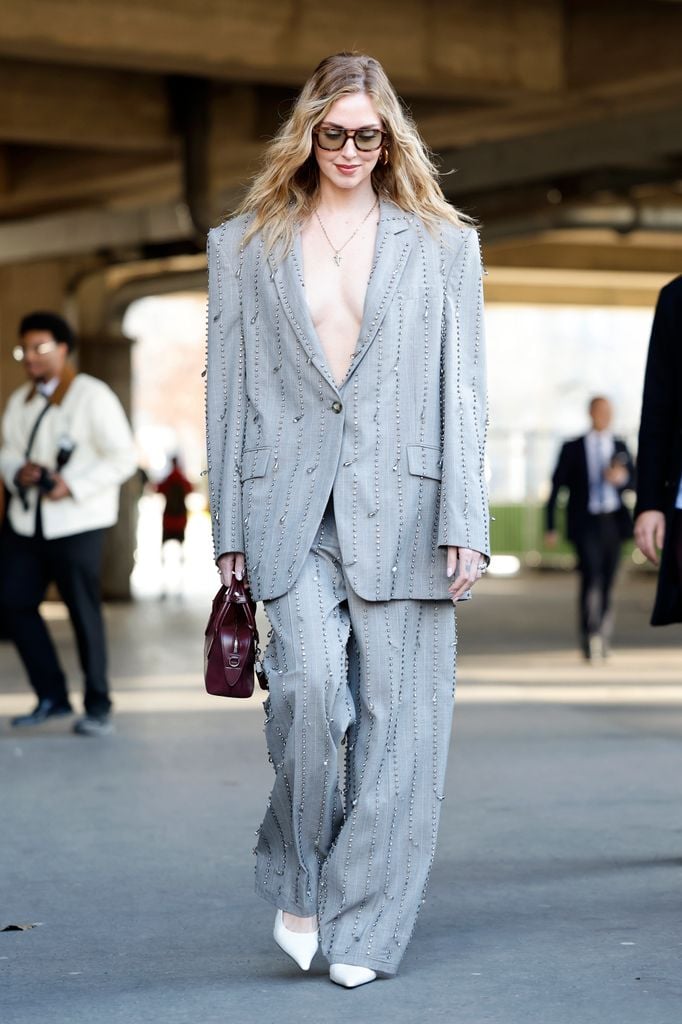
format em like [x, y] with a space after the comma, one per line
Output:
[352, 839]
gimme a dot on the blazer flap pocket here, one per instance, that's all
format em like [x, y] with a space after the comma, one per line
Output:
[255, 462]
[422, 460]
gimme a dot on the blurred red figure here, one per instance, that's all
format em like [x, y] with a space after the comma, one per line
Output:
[175, 488]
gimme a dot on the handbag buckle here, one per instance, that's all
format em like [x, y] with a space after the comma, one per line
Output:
[233, 661]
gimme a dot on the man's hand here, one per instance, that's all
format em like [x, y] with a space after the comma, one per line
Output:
[28, 475]
[60, 489]
[650, 534]
[551, 538]
[466, 562]
[617, 475]
[231, 564]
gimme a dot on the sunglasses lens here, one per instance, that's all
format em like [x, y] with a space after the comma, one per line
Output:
[328, 138]
[368, 140]
[18, 353]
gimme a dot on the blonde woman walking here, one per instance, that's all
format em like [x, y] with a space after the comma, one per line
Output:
[346, 428]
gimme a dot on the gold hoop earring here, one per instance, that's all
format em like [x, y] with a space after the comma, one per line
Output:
[383, 159]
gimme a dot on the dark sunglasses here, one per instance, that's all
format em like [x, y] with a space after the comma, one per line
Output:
[365, 140]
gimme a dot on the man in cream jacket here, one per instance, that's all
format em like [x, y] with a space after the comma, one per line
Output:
[66, 449]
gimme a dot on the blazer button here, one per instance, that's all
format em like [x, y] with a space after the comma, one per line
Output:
[336, 406]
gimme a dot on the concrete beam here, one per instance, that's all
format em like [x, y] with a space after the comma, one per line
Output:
[83, 107]
[45, 179]
[41, 179]
[86, 231]
[471, 47]
[608, 45]
[590, 250]
[625, 141]
[541, 286]
[449, 125]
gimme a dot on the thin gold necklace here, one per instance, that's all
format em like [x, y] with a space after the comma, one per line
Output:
[337, 252]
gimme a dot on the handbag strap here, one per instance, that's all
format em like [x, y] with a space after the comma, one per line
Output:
[237, 594]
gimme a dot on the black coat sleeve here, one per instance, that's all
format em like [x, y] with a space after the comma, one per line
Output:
[657, 423]
[559, 479]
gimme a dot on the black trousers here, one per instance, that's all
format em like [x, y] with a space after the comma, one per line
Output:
[598, 557]
[27, 566]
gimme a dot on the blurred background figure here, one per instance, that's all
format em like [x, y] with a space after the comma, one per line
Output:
[658, 523]
[175, 488]
[66, 449]
[595, 469]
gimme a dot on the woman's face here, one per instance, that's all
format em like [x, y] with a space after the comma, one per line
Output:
[348, 167]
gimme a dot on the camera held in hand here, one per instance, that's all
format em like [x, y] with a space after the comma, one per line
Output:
[46, 482]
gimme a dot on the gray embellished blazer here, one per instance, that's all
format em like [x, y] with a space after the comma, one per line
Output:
[400, 443]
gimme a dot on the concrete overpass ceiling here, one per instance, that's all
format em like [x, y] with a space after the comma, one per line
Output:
[561, 119]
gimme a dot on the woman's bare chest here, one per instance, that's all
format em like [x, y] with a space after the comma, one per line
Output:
[335, 283]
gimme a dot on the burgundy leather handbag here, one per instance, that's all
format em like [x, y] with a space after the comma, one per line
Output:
[231, 651]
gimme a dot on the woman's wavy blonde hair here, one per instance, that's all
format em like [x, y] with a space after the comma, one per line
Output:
[285, 191]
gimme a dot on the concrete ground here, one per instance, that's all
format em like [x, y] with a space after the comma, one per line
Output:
[555, 896]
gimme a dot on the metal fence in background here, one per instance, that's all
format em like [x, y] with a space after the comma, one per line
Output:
[520, 467]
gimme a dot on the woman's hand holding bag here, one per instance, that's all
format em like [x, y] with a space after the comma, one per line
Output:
[231, 651]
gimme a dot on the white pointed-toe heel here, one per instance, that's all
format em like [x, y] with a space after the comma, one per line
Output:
[351, 976]
[300, 946]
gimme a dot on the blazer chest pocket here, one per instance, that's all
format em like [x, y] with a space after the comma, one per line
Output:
[423, 460]
[254, 462]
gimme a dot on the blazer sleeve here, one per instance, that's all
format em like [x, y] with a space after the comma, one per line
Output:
[12, 454]
[225, 395]
[658, 410]
[560, 478]
[463, 515]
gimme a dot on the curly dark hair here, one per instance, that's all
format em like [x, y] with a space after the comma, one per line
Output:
[52, 322]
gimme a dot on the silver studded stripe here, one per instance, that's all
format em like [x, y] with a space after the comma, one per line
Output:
[374, 512]
[424, 400]
[299, 425]
[225, 394]
[278, 440]
[396, 466]
[256, 348]
[464, 517]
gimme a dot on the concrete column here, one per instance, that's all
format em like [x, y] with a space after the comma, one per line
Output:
[24, 288]
[109, 358]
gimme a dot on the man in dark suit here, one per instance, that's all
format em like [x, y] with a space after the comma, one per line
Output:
[658, 523]
[596, 469]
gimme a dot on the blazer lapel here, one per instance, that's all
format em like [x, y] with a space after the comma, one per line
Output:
[288, 278]
[392, 248]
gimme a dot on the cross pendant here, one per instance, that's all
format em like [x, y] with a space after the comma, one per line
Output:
[337, 259]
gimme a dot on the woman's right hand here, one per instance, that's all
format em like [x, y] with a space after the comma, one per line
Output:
[231, 564]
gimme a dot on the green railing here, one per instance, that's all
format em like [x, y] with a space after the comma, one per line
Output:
[520, 530]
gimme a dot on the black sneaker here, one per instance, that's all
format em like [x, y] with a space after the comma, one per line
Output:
[45, 709]
[94, 725]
